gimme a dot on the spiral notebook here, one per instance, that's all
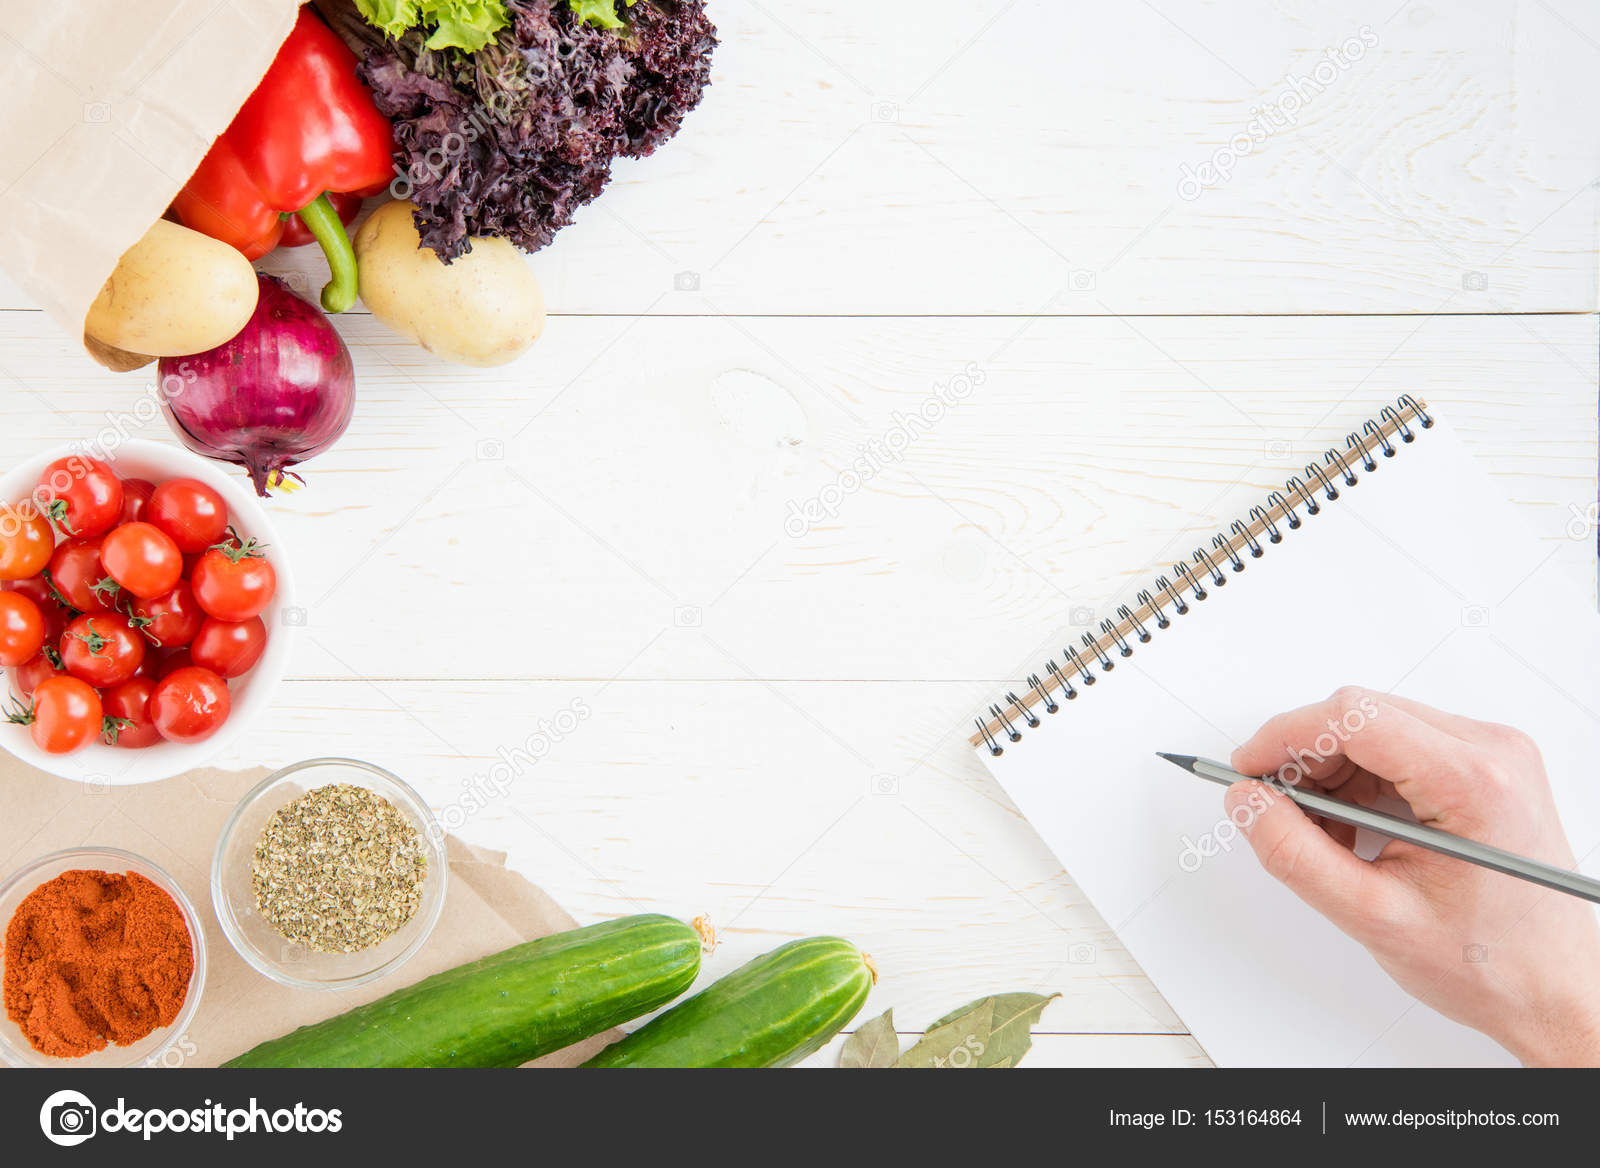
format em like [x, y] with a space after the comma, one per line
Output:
[1391, 563]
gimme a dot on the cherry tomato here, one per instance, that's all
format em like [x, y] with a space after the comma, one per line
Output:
[26, 541]
[135, 498]
[171, 620]
[38, 590]
[229, 649]
[127, 719]
[21, 628]
[64, 714]
[102, 648]
[80, 578]
[27, 676]
[190, 512]
[234, 582]
[189, 705]
[81, 495]
[143, 559]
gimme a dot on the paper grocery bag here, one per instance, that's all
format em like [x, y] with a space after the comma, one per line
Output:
[109, 107]
[175, 825]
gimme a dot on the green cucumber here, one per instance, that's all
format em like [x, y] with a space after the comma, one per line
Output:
[508, 1008]
[771, 1012]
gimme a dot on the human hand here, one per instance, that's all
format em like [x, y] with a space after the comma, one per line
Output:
[1519, 962]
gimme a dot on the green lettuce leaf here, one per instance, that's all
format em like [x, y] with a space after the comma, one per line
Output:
[391, 17]
[456, 24]
[600, 13]
[467, 25]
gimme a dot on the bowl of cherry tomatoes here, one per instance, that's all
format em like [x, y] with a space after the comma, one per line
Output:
[143, 595]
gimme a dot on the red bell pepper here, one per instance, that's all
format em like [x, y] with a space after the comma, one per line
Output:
[309, 128]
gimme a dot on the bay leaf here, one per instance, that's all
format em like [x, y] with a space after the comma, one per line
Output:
[959, 1042]
[1015, 1016]
[992, 1032]
[874, 1044]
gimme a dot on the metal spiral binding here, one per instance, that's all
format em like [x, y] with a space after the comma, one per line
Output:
[1285, 511]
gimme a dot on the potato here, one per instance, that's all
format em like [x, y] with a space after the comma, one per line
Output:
[115, 359]
[173, 293]
[483, 309]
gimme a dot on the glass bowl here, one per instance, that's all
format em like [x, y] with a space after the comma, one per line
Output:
[149, 1050]
[257, 941]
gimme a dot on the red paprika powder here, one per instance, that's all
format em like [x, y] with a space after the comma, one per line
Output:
[95, 957]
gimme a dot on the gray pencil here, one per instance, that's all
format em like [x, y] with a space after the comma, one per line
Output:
[1393, 826]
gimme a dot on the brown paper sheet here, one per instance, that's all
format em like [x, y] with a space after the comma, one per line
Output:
[176, 823]
[109, 106]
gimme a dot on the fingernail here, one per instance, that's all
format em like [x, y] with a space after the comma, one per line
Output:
[1244, 802]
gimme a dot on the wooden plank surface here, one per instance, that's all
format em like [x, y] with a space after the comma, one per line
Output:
[633, 497]
[733, 719]
[696, 586]
[1006, 156]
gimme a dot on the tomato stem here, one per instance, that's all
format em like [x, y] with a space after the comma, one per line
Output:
[111, 727]
[237, 548]
[56, 592]
[94, 640]
[57, 513]
[19, 714]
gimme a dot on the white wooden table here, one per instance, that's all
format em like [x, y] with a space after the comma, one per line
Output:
[591, 555]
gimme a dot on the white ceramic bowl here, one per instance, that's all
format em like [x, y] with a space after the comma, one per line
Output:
[103, 765]
[233, 896]
[149, 1050]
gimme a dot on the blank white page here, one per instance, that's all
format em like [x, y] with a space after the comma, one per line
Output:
[1418, 580]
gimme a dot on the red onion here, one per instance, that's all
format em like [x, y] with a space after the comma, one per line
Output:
[278, 393]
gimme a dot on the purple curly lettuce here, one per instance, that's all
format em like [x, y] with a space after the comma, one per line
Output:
[511, 140]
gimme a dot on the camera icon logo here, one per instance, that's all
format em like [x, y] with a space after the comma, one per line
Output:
[292, 953]
[686, 282]
[1474, 281]
[97, 113]
[1082, 280]
[1279, 451]
[1475, 616]
[885, 785]
[96, 784]
[490, 450]
[293, 617]
[1475, 954]
[686, 616]
[885, 111]
[1082, 953]
[1081, 616]
[67, 1118]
